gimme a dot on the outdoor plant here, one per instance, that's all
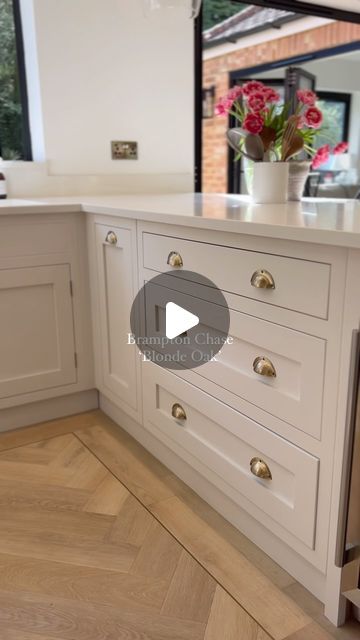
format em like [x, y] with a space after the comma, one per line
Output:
[267, 131]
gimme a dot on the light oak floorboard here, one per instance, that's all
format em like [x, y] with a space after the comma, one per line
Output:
[229, 622]
[132, 524]
[47, 430]
[127, 464]
[72, 620]
[15, 494]
[274, 611]
[109, 497]
[31, 473]
[191, 591]
[80, 557]
[84, 584]
[159, 554]
[13, 634]
[311, 632]
[278, 576]
[72, 526]
[85, 553]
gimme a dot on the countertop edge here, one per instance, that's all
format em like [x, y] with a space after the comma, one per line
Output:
[345, 239]
[322, 236]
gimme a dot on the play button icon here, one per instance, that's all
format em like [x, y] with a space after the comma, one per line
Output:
[178, 320]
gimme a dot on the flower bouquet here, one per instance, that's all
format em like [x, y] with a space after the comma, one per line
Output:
[271, 137]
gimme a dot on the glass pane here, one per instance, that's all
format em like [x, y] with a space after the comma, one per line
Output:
[10, 104]
[334, 122]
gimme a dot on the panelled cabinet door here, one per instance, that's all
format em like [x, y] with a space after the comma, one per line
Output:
[115, 262]
[36, 329]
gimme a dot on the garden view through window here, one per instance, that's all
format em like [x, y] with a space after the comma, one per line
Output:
[11, 113]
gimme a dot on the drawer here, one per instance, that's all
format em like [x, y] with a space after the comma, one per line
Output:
[220, 443]
[295, 395]
[232, 270]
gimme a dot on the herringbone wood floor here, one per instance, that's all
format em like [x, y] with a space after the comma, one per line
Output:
[90, 526]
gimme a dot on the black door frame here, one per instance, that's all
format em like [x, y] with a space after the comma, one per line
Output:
[296, 6]
[25, 118]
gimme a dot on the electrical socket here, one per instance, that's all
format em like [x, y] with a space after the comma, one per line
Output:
[124, 150]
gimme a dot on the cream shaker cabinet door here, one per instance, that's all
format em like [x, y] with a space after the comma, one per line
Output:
[116, 287]
[36, 330]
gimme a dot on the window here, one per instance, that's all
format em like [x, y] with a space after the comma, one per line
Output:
[14, 125]
[336, 110]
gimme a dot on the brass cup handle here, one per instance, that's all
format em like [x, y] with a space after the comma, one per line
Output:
[175, 259]
[262, 279]
[111, 237]
[264, 367]
[178, 412]
[260, 469]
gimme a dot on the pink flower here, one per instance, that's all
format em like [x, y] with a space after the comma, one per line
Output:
[321, 157]
[256, 101]
[313, 118]
[307, 97]
[270, 95]
[235, 93]
[223, 107]
[252, 86]
[342, 147]
[253, 123]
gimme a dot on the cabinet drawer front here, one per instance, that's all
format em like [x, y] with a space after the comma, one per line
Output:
[232, 270]
[294, 395]
[116, 293]
[220, 443]
[36, 330]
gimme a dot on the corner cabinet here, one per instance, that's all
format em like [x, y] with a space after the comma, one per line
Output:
[113, 264]
[45, 329]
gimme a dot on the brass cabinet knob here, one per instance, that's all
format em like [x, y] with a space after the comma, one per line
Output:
[264, 367]
[262, 279]
[175, 259]
[111, 237]
[178, 412]
[260, 469]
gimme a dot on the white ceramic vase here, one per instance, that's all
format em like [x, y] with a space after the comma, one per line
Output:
[270, 182]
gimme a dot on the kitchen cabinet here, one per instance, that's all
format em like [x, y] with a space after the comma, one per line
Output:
[45, 326]
[117, 364]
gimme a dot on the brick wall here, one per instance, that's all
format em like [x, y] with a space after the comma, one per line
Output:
[216, 73]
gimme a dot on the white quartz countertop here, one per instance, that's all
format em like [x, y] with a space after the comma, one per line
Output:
[324, 221]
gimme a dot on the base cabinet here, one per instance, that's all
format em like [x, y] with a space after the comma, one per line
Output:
[45, 326]
[36, 329]
[115, 248]
[258, 449]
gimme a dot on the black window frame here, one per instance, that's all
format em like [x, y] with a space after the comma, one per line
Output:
[21, 67]
[296, 6]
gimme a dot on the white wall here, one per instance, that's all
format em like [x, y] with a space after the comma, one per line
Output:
[105, 72]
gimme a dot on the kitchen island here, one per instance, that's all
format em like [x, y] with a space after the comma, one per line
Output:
[70, 270]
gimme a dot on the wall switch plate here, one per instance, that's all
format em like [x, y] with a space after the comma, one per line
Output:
[124, 150]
